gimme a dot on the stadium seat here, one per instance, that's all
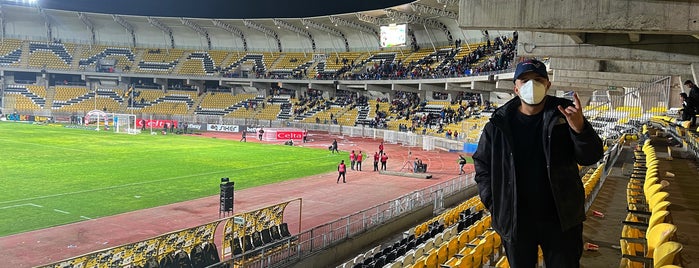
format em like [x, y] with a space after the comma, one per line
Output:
[443, 253]
[274, 230]
[432, 260]
[284, 230]
[664, 255]
[257, 240]
[266, 236]
[502, 263]
[236, 247]
[655, 218]
[655, 236]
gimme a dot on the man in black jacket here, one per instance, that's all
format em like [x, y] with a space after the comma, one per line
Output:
[527, 173]
[693, 93]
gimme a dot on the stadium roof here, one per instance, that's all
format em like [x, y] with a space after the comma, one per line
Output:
[220, 9]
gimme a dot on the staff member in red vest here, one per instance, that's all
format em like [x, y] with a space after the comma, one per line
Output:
[359, 158]
[341, 170]
[376, 161]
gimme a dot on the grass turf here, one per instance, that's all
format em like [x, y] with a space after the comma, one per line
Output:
[51, 175]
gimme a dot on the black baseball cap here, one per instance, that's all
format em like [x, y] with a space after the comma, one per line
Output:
[531, 65]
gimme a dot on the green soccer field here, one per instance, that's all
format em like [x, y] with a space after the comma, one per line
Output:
[51, 175]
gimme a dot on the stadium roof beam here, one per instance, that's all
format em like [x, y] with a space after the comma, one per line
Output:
[322, 27]
[2, 23]
[372, 19]
[411, 18]
[47, 23]
[433, 11]
[232, 30]
[163, 28]
[297, 30]
[448, 2]
[199, 30]
[264, 30]
[129, 28]
[338, 21]
[90, 26]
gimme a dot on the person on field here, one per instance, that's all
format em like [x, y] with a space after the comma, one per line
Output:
[341, 170]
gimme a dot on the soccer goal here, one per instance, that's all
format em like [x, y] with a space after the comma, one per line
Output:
[124, 123]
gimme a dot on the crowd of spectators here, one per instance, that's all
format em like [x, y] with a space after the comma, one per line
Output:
[498, 53]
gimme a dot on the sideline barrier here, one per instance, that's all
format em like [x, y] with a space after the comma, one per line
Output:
[160, 247]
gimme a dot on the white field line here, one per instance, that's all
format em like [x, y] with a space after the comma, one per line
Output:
[158, 181]
[21, 205]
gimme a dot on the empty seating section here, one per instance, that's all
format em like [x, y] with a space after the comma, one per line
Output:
[335, 61]
[173, 102]
[291, 62]
[246, 107]
[252, 59]
[198, 63]
[218, 56]
[159, 60]
[39, 91]
[647, 233]
[80, 99]
[269, 112]
[323, 115]
[23, 98]
[221, 103]
[192, 67]
[123, 56]
[64, 94]
[347, 117]
[10, 52]
[50, 55]
[459, 237]
[46, 59]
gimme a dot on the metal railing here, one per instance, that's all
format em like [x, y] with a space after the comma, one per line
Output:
[327, 235]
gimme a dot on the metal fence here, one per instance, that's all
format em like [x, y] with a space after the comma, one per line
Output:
[327, 235]
[617, 111]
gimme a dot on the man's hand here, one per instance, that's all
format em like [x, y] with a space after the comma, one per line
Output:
[574, 114]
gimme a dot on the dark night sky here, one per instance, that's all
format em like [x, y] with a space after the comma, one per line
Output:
[223, 9]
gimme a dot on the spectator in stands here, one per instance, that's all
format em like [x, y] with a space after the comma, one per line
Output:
[530, 185]
[693, 93]
[341, 170]
[689, 110]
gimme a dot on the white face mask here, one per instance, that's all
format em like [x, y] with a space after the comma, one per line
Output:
[532, 92]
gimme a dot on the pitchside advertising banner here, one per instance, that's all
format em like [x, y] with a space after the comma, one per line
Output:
[222, 128]
[286, 135]
[194, 126]
[28, 118]
[154, 123]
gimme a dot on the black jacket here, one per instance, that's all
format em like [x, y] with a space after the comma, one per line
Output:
[564, 149]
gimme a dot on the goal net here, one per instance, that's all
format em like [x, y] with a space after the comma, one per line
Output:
[123, 123]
